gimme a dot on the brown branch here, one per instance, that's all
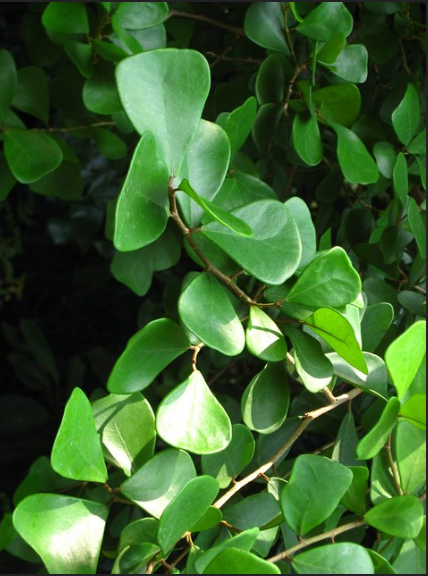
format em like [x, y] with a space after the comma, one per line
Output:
[331, 534]
[207, 20]
[306, 420]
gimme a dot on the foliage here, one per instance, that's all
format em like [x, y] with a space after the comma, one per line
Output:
[260, 170]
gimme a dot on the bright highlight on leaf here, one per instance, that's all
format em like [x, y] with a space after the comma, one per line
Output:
[263, 337]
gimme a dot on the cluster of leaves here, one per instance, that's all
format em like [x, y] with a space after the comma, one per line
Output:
[291, 438]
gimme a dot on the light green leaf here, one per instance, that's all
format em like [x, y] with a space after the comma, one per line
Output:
[376, 322]
[191, 418]
[375, 381]
[81, 55]
[66, 18]
[187, 508]
[415, 410]
[272, 254]
[326, 21]
[405, 355]
[226, 465]
[410, 559]
[31, 155]
[263, 337]
[410, 449]
[142, 209]
[8, 81]
[313, 492]
[336, 330]
[343, 558]
[381, 565]
[216, 212]
[32, 93]
[66, 532]
[100, 93]
[421, 540]
[351, 64]
[417, 221]
[235, 561]
[243, 541]
[419, 144]
[147, 353]
[205, 309]
[307, 139]
[357, 165]
[378, 436]
[238, 124]
[140, 15]
[77, 453]
[157, 483]
[355, 498]
[340, 103]
[401, 516]
[307, 233]
[407, 116]
[386, 157]
[270, 81]
[179, 83]
[242, 189]
[266, 400]
[258, 510]
[264, 25]
[126, 425]
[401, 179]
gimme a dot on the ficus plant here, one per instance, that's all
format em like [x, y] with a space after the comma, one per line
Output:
[267, 415]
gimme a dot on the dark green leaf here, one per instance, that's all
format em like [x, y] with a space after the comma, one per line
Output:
[307, 139]
[417, 221]
[378, 436]
[376, 321]
[264, 128]
[258, 510]
[100, 94]
[7, 181]
[32, 93]
[139, 15]
[82, 56]
[263, 337]
[134, 559]
[270, 83]
[65, 182]
[410, 449]
[243, 541]
[386, 157]
[330, 50]
[344, 558]
[66, 18]
[235, 561]
[338, 103]
[401, 516]
[109, 144]
[355, 498]
[357, 165]
[327, 21]
[264, 25]
[407, 116]
[381, 566]
[401, 179]
[8, 81]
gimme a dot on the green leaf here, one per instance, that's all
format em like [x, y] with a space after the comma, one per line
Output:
[263, 337]
[100, 93]
[401, 179]
[343, 558]
[32, 93]
[271, 255]
[339, 103]
[258, 510]
[376, 321]
[376, 379]
[126, 425]
[352, 64]
[65, 182]
[243, 541]
[407, 116]
[265, 126]
[147, 353]
[8, 81]
[415, 410]
[378, 436]
[313, 492]
[134, 559]
[40, 478]
[381, 566]
[357, 165]
[179, 83]
[81, 55]
[330, 50]
[238, 124]
[31, 155]
[235, 561]
[216, 212]
[66, 532]
[212, 518]
[264, 25]
[417, 221]
[329, 280]
[205, 309]
[405, 355]
[140, 15]
[336, 330]
[419, 144]
[401, 516]
[144, 193]
[410, 449]
[109, 51]
[313, 367]
[77, 451]
[266, 400]
[187, 508]
[205, 166]
[386, 158]
[421, 540]
[410, 559]
[326, 21]
[158, 482]
[228, 464]
[270, 83]
[191, 418]
[7, 181]
[355, 497]
[307, 139]
[143, 530]
[306, 228]
[66, 18]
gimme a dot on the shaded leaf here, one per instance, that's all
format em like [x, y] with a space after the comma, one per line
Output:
[406, 117]
[263, 337]
[326, 21]
[378, 436]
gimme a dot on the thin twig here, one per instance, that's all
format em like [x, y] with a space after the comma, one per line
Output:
[293, 79]
[207, 20]
[329, 395]
[224, 58]
[420, 290]
[306, 420]
[288, 36]
[403, 54]
[315, 539]
[394, 468]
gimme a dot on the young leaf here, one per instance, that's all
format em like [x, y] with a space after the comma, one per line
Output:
[271, 255]
[266, 401]
[157, 483]
[264, 25]
[216, 212]
[31, 155]
[343, 558]
[376, 439]
[357, 165]
[187, 508]
[410, 449]
[142, 209]
[126, 425]
[263, 337]
[147, 353]
[191, 418]
[243, 541]
[179, 83]
[205, 309]
[77, 451]
[329, 280]
[326, 21]
[401, 516]
[407, 116]
[415, 410]
[307, 139]
[235, 561]
[66, 18]
[314, 491]
[339, 103]
[405, 355]
[8, 81]
[336, 330]
[66, 532]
